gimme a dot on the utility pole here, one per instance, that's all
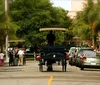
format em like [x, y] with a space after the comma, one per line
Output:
[6, 15]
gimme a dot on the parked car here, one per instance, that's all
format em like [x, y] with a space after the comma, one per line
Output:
[89, 59]
[79, 54]
[72, 53]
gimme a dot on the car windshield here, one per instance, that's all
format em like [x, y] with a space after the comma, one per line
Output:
[89, 53]
[83, 49]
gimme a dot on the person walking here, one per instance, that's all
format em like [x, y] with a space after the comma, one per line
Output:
[21, 56]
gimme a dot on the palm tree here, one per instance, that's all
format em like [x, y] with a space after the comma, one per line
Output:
[88, 20]
[91, 16]
[94, 20]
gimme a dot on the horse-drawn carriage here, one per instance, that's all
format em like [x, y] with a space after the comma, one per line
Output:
[53, 53]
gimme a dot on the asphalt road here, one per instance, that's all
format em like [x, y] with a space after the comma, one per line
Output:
[30, 75]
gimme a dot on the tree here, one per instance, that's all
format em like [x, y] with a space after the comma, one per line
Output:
[93, 17]
[32, 15]
[6, 25]
[89, 19]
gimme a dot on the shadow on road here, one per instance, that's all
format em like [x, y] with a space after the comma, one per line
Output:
[10, 69]
[86, 69]
[55, 71]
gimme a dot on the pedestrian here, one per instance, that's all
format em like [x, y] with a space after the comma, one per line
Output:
[14, 56]
[21, 56]
[24, 58]
[10, 57]
[1, 58]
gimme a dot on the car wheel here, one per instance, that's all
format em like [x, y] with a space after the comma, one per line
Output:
[82, 68]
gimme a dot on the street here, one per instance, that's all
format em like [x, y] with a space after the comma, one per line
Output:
[30, 75]
[46, 30]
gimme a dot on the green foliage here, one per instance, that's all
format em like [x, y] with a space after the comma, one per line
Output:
[82, 30]
[82, 25]
[1, 7]
[7, 26]
[32, 15]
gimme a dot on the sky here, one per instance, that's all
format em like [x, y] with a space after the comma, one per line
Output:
[65, 4]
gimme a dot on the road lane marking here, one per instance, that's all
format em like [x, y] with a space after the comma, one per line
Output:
[50, 80]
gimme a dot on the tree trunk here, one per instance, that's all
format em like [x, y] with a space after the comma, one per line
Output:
[93, 42]
[93, 34]
[1, 47]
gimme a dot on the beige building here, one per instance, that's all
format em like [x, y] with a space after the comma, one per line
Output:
[76, 5]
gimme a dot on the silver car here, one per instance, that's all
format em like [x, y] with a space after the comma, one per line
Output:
[89, 59]
[79, 53]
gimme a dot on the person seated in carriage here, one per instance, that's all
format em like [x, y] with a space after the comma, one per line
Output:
[51, 39]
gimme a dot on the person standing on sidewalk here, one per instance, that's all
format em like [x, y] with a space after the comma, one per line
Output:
[1, 58]
[10, 57]
[14, 57]
[21, 56]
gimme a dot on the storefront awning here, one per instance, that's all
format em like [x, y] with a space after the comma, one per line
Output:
[56, 29]
[16, 40]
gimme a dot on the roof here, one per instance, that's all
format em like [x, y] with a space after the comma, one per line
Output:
[16, 40]
[56, 29]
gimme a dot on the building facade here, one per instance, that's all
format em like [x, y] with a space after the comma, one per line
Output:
[77, 5]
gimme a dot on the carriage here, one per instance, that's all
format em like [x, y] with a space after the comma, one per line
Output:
[53, 53]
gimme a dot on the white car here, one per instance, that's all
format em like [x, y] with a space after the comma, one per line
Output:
[72, 52]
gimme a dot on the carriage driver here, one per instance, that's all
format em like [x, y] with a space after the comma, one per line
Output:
[51, 39]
